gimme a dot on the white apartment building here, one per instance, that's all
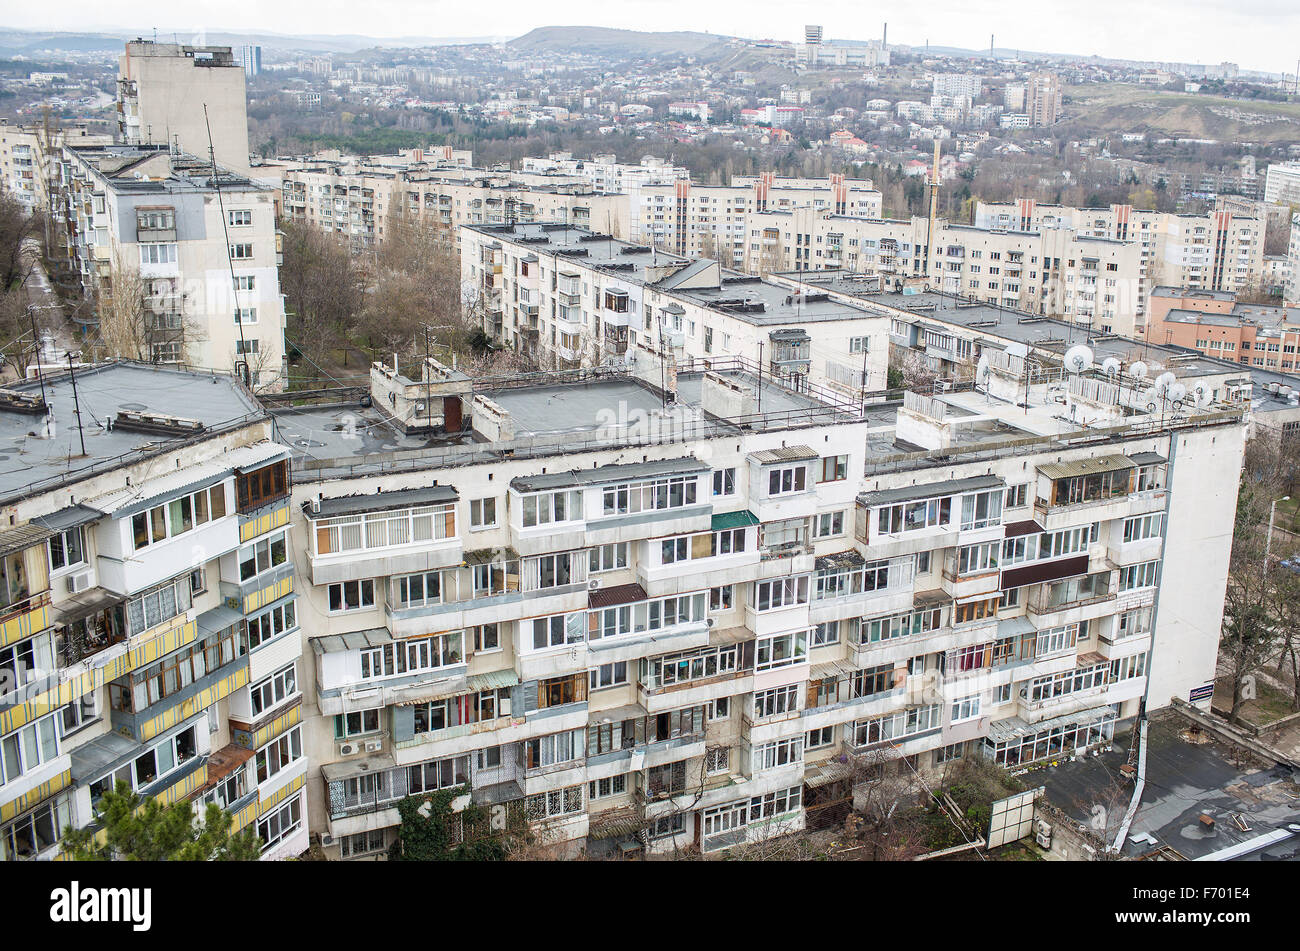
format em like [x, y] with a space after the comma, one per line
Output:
[1282, 184]
[710, 220]
[359, 201]
[206, 257]
[147, 633]
[1092, 281]
[1221, 250]
[607, 175]
[956, 84]
[569, 298]
[29, 159]
[170, 94]
[644, 625]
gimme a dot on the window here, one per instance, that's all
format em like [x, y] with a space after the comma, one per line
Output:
[820, 738]
[724, 481]
[873, 630]
[160, 604]
[826, 633]
[279, 754]
[1017, 496]
[557, 630]
[246, 346]
[1127, 668]
[975, 610]
[780, 593]
[833, 469]
[262, 556]
[362, 843]
[972, 559]
[154, 763]
[245, 282]
[37, 830]
[608, 557]
[859, 344]
[1137, 576]
[981, 509]
[776, 700]
[719, 708]
[609, 786]
[239, 252]
[274, 690]
[356, 723]
[247, 315]
[487, 637]
[1133, 623]
[27, 748]
[967, 708]
[352, 595]
[777, 753]
[1143, 526]
[419, 590]
[543, 508]
[553, 749]
[178, 516]
[482, 513]
[786, 480]
[721, 598]
[156, 254]
[668, 826]
[717, 761]
[632, 497]
[271, 623]
[608, 675]
[780, 650]
[922, 562]
[948, 754]
[911, 516]
[66, 549]
[411, 655]
[240, 217]
[259, 487]
[281, 824]
[828, 525]
[79, 713]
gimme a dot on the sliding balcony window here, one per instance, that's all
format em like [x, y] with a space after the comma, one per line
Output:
[651, 495]
[981, 509]
[385, 529]
[545, 508]
[178, 516]
[913, 516]
[412, 656]
[262, 486]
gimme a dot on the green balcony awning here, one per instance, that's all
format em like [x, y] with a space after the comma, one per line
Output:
[725, 520]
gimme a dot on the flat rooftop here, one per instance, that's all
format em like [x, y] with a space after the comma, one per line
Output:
[1186, 776]
[29, 462]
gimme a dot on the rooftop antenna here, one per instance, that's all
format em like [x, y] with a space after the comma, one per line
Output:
[31, 312]
[240, 365]
[76, 403]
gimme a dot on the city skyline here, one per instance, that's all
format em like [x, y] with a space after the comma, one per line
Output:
[1154, 32]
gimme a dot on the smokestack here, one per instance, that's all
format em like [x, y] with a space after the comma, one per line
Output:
[884, 38]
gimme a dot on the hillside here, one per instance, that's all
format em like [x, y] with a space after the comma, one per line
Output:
[1125, 108]
[602, 41]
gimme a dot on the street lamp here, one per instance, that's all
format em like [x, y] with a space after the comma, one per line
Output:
[1268, 542]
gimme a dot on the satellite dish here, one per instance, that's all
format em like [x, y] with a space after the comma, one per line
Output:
[1201, 394]
[1078, 359]
[1110, 366]
[1177, 391]
[1138, 370]
[982, 370]
[1164, 383]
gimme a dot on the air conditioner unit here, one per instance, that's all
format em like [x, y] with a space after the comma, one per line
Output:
[593, 584]
[326, 840]
[347, 749]
[79, 582]
[374, 746]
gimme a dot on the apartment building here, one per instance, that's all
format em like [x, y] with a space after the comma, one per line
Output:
[1092, 281]
[1222, 250]
[1292, 287]
[607, 175]
[1214, 323]
[951, 334]
[1282, 183]
[655, 612]
[359, 202]
[710, 220]
[187, 97]
[1043, 94]
[571, 298]
[29, 157]
[198, 257]
[147, 633]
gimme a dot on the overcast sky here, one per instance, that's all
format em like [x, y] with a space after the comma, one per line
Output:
[1256, 34]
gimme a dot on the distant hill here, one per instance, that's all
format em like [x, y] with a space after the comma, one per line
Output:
[603, 41]
[26, 42]
[1116, 107]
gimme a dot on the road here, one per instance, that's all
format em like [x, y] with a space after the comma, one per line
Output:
[56, 333]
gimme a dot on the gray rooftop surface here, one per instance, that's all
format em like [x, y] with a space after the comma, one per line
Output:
[28, 459]
[1183, 780]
